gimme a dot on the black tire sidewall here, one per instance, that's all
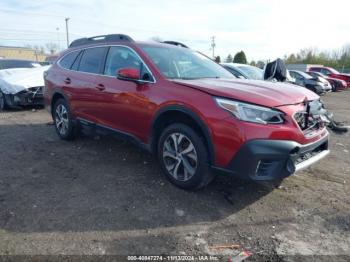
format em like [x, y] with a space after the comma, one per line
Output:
[202, 154]
[3, 106]
[70, 134]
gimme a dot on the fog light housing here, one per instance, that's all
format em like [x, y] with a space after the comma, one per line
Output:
[290, 166]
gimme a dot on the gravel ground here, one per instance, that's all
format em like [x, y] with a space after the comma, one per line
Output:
[103, 196]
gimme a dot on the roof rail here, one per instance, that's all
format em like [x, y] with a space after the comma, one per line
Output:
[175, 43]
[101, 39]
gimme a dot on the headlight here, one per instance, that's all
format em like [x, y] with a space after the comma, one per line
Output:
[251, 113]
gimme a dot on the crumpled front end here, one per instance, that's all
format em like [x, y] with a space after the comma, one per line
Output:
[23, 87]
[27, 97]
[272, 152]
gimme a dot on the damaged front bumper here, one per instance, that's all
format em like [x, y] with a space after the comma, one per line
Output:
[30, 96]
[264, 160]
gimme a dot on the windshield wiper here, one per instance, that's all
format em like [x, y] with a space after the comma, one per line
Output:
[195, 78]
[187, 78]
[212, 77]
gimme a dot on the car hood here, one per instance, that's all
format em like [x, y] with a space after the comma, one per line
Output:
[346, 75]
[321, 79]
[270, 94]
[16, 80]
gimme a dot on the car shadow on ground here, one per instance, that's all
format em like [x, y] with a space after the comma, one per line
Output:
[100, 184]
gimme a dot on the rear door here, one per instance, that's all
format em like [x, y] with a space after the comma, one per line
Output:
[86, 98]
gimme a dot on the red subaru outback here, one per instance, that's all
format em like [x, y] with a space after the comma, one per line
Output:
[189, 111]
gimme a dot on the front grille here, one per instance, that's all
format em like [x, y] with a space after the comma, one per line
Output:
[307, 155]
[37, 90]
[30, 96]
[309, 121]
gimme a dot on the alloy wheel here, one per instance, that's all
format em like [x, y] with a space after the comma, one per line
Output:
[180, 157]
[61, 119]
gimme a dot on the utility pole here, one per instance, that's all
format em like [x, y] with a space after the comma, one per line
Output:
[58, 38]
[213, 45]
[67, 19]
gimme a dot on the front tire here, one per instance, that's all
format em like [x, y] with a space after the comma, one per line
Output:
[3, 105]
[183, 157]
[64, 124]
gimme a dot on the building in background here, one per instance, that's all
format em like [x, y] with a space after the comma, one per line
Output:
[25, 53]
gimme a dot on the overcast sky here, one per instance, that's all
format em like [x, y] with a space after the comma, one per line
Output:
[264, 29]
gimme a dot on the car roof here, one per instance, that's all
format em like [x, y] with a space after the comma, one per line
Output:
[124, 43]
[128, 43]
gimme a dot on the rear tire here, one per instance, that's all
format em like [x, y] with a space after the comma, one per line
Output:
[3, 105]
[63, 120]
[183, 157]
[334, 88]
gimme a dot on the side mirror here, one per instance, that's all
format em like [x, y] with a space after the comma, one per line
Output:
[128, 74]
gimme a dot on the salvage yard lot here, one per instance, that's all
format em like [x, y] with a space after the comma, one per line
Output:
[100, 195]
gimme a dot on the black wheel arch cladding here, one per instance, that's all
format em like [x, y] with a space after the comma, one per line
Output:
[177, 110]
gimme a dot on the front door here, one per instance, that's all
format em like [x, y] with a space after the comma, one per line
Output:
[125, 105]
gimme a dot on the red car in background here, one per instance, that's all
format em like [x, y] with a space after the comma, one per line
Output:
[337, 84]
[331, 72]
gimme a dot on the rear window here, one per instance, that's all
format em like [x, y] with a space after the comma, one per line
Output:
[67, 61]
[315, 69]
[92, 60]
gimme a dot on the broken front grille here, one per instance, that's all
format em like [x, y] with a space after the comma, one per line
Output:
[309, 120]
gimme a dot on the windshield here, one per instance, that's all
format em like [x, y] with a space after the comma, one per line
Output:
[333, 70]
[305, 75]
[182, 63]
[252, 72]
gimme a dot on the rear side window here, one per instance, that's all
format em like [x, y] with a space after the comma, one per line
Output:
[92, 60]
[67, 61]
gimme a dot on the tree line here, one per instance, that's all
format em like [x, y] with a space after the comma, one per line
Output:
[239, 57]
[338, 58]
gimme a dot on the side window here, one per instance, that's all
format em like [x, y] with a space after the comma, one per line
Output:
[298, 76]
[76, 63]
[67, 61]
[122, 57]
[325, 71]
[92, 60]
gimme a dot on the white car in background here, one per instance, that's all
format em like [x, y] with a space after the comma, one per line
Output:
[21, 86]
[244, 71]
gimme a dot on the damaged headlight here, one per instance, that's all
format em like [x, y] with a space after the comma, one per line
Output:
[251, 113]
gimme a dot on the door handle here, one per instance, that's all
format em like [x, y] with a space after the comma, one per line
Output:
[100, 87]
[67, 80]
